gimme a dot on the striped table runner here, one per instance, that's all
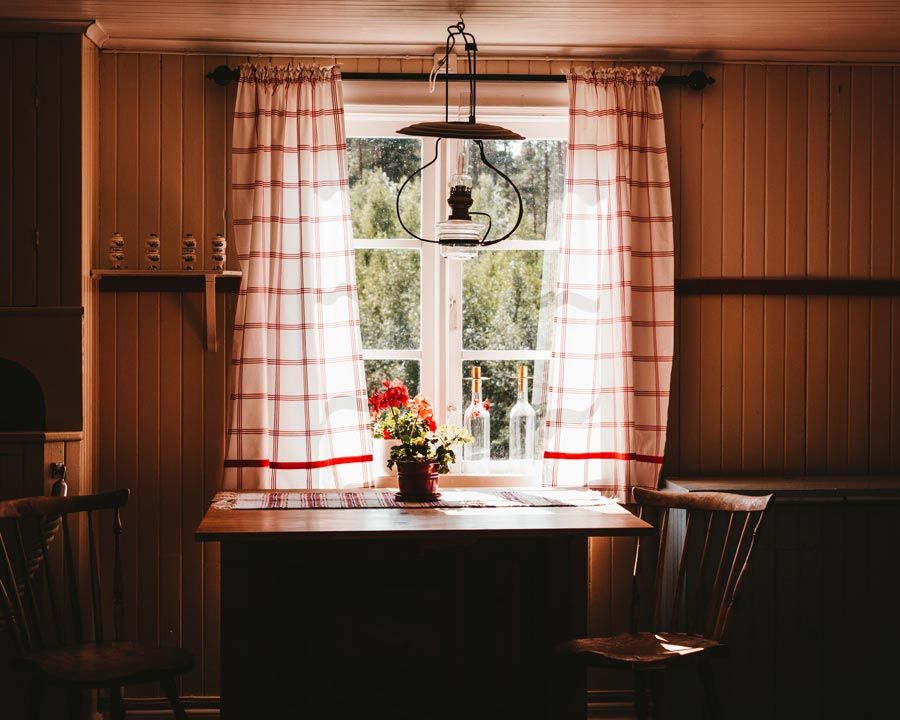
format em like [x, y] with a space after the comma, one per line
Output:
[451, 498]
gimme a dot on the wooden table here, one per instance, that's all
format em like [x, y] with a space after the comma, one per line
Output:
[400, 613]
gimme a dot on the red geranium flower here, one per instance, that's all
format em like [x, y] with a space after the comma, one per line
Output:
[432, 425]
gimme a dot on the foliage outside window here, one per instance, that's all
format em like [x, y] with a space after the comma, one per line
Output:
[505, 294]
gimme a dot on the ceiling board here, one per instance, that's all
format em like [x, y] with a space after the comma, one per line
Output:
[702, 29]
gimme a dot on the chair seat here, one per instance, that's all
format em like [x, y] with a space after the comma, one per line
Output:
[638, 648]
[106, 664]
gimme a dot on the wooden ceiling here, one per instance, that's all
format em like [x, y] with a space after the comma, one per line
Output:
[695, 29]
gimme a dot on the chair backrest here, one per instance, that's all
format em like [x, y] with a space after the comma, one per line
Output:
[24, 521]
[696, 573]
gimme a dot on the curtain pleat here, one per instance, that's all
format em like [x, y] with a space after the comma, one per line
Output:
[299, 408]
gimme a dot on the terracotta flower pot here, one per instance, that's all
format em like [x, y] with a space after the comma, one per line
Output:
[417, 480]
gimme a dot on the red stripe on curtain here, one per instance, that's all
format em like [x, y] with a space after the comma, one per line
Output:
[305, 465]
[603, 456]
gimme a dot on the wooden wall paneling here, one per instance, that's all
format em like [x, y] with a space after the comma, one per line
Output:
[838, 352]
[791, 678]
[690, 203]
[733, 89]
[879, 373]
[754, 200]
[216, 116]
[214, 160]
[754, 203]
[795, 348]
[6, 174]
[24, 187]
[895, 382]
[839, 172]
[833, 594]
[193, 147]
[690, 251]
[883, 121]
[147, 502]
[775, 170]
[171, 174]
[817, 145]
[774, 263]
[192, 489]
[108, 157]
[230, 99]
[48, 168]
[858, 364]
[74, 181]
[860, 205]
[773, 388]
[171, 459]
[796, 188]
[689, 362]
[816, 389]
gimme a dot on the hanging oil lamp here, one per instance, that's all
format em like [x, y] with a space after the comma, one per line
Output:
[460, 236]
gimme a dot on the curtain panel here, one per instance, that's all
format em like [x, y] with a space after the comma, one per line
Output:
[299, 413]
[609, 374]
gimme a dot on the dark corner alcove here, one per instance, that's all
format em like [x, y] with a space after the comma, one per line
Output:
[22, 407]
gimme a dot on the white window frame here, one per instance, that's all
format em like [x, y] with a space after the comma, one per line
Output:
[441, 353]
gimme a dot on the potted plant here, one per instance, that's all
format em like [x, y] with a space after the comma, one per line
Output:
[424, 451]
[385, 405]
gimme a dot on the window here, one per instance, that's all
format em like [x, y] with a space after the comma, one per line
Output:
[425, 319]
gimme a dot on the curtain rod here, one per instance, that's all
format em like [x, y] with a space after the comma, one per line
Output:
[697, 80]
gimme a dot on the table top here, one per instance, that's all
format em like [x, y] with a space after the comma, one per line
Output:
[242, 525]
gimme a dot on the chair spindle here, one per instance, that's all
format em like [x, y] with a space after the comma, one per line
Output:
[58, 625]
[682, 567]
[35, 625]
[712, 610]
[71, 575]
[95, 579]
[660, 567]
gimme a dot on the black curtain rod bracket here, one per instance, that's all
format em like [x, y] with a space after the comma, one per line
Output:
[697, 80]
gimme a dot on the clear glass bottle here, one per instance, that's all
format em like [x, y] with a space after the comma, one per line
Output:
[477, 422]
[521, 428]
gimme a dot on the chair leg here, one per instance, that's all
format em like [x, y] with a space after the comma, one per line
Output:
[707, 679]
[116, 708]
[74, 700]
[171, 691]
[641, 707]
[35, 696]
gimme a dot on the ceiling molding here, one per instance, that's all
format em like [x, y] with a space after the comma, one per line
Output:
[96, 34]
[27, 25]
[548, 52]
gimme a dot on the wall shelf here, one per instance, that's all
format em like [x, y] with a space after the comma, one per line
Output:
[155, 279]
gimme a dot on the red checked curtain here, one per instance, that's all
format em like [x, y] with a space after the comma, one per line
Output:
[299, 408]
[608, 382]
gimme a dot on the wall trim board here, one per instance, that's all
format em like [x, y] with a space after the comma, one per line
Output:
[787, 286]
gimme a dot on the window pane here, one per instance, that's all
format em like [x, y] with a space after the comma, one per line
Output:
[377, 371]
[537, 167]
[377, 167]
[389, 286]
[508, 300]
[501, 388]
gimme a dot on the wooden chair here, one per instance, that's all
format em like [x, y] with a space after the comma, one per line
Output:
[689, 617]
[69, 657]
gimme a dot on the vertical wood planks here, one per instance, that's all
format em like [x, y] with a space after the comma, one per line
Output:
[48, 167]
[147, 502]
[24, 172]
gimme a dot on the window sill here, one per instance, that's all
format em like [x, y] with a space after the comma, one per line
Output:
[476, 480]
